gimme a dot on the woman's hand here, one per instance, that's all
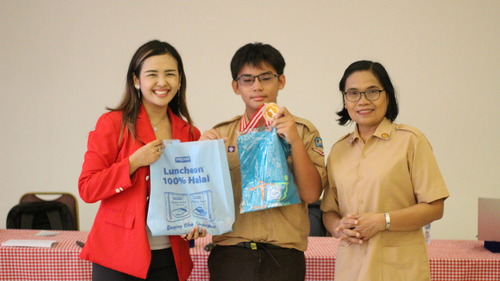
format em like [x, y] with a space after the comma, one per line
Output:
[370, 224]
[346, 230]
[194, 234]
[146, 155]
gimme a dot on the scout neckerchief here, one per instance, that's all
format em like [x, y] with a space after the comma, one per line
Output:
[246, 126]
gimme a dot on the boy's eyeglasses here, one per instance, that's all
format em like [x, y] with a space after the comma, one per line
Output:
[371, 95]
[247, 80]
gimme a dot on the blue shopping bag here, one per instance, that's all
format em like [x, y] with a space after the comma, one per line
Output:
[191, 185]
[267, 181]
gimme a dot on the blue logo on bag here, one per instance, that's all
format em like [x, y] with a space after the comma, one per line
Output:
[182, 159]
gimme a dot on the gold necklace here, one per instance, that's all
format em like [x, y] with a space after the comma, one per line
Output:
[155, 128]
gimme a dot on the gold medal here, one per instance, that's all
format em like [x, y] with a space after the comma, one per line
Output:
[270, 111]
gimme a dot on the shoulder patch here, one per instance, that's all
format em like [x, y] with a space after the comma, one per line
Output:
[228, 121]
[318, 142]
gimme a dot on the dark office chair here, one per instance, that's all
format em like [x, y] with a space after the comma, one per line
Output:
[45, 210]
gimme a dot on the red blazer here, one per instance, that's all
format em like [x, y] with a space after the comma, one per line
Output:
[118, 238]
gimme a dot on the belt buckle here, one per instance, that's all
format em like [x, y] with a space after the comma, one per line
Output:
[253, 245]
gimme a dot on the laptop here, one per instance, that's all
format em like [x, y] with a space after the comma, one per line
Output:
[488, 222]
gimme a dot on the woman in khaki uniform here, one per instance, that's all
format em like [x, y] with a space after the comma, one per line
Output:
[384, 184]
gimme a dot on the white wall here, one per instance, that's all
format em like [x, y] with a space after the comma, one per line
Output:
[62, 62]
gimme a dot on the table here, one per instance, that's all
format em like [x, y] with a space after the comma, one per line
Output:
[60, 262]
[449, 259]
[465, 260]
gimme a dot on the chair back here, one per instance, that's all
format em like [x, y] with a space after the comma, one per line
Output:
[64, 197]
[51, 215]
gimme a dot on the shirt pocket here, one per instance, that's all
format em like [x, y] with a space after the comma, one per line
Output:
[405, 263]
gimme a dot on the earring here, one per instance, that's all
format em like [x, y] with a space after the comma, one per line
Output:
[138, 91]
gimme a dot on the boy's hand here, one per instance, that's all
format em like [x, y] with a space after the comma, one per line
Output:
[212, 134]
[194, 233]
[285, 126]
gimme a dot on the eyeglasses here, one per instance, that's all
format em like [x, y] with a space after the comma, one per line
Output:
[247, 80]
[371, 95]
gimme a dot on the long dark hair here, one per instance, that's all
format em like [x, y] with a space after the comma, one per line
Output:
[131, 100]
[383, 77]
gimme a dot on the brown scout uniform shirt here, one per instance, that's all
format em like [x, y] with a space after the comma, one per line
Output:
[286, 226]
[395, 169]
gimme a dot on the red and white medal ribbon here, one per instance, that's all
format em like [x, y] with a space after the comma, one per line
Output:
[246, 126]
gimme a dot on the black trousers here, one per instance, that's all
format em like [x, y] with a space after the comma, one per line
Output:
[162, 268]
[262, 264]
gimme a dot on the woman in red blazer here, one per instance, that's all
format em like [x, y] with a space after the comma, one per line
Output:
[115, 171]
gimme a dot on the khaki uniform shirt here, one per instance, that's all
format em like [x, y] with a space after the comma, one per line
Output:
[286, 226]
[395, 169]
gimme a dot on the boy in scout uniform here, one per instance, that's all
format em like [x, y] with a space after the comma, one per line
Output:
[267, 244]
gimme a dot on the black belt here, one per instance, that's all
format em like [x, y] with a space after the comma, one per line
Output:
[257, 245]
[263, 246]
